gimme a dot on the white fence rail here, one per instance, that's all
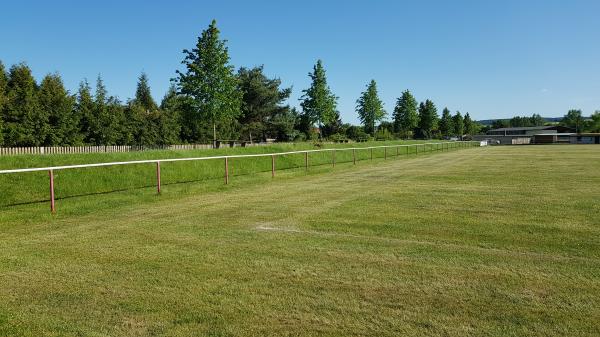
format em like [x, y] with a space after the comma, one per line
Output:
[426, 147]
[42, 150]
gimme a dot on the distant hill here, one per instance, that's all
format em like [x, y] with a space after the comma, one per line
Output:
[547, 119]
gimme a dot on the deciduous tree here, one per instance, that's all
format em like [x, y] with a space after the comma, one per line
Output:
[370, 108]
[319, 104]
[210, 82]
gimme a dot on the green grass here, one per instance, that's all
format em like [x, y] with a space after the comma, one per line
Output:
[498, 241]
[33, 187]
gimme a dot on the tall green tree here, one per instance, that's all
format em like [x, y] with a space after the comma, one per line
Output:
[370, 108]
[428, 119]
[169, 127]
[108, 112]
[210, 82]
[143, 96]
[469, 127]
[406, 117]
[262, 103]
[55, 100]
[84, 109]
[459, 125]
[24, 123]
[319, 104]
[573, 119]
[142, 116]
[593, 125]
[3, 84]
[446, 124]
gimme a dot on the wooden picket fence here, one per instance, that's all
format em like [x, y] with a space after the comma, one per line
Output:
[11, 151]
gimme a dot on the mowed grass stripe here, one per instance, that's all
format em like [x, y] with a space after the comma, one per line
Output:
[416, 247]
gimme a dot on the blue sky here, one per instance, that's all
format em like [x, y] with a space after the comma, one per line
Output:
[493, 59]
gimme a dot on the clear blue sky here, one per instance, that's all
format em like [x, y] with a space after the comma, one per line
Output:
[493, 59]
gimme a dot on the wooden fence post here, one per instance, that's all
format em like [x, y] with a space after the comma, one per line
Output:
[226, 171]
[385, 153]
[158, 176]
[354, 156]
[333, 157]
[272, 166]
[306, 160]
[371, 153]
[52, 205]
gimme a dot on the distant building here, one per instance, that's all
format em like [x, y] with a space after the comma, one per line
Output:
[525, 135]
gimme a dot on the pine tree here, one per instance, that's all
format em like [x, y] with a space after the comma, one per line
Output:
[469, 128]
[209, 80]
[406, 118]
[370, 108]
[142, 117]
[459, 125]
[54, 99]
[84, 109]
[446, 124]
[24, 123]
[143, 96]
[428, 119]
[319, 104]
[262, 103]
[108, 127]
[3, 84]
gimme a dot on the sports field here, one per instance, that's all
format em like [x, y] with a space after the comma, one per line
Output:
[496, 241]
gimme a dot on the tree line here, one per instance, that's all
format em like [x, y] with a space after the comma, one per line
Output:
[573, 118]
[208, 100]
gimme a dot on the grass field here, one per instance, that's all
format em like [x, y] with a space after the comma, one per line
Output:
[498, 241]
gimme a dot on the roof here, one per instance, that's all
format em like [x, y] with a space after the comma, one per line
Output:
[588, 134]
[545, 127]
[556, 134]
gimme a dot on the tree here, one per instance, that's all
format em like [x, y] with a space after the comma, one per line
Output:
[24, 123]
[262, 103]
[593, 124]
[143, 96]
[500, 123]
[370, 108]
[406, 118]
[56, 102]
[428, 119]
[459, 125]
[210, 82]
[84, 109]
[573, 119]
[469, 128]
[319, 104]
[3, 84]
[108, 128]
[446, 124]
[142, 116]
[169, 127]
[536, 120]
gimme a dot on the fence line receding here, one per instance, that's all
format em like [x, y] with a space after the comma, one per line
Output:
[426, 147]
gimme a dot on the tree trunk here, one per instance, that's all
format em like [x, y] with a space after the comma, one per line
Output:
[214, 134]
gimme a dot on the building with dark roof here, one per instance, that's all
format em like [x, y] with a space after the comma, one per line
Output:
[525, 134]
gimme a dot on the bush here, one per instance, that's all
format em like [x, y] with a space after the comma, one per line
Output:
[338, 138]
[383, 134]
[357, 134]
